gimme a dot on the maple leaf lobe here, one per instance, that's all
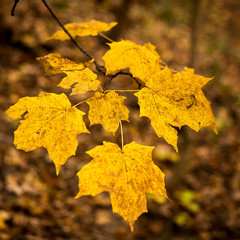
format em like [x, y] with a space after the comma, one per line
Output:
[126, 174]
[50, 122]
[141, 61]
[91, 28]
[171, 101]
[54, 62]
[80, 80]
[108, 110]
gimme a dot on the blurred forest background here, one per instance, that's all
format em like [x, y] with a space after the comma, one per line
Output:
[203, 180]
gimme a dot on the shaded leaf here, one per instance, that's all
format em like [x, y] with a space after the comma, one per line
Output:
[53, 63]
[174, 100]
[49, 122]
[141, 61]
[127, 174]
[107, 110]
[79, 77]
[92, 28]
[81, 80]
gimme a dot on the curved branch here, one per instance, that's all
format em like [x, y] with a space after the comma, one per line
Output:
[99, 68]
[111, 76]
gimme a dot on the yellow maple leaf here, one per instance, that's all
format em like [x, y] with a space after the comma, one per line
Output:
[53, 63]
[49, 122]
[92, 28]
[80, 80]
[127, 174]
[79, 77]
[141, 61]
[107, 110]
[173, 100]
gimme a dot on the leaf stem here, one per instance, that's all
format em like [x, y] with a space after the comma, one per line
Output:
[80, 103]
[123, 90]
[101, 88]
[106, 37]
[121, 129]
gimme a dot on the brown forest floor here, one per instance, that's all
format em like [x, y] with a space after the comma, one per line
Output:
[203, 181]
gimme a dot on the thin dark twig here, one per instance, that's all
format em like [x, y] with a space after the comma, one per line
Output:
[105, 87]
[111, 76]
[98, 66]
[14, 7]
[129, 74]
[120, 72]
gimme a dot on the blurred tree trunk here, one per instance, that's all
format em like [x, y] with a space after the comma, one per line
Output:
[187, 137]
[122, 17]
[194, 26]
[189, 142]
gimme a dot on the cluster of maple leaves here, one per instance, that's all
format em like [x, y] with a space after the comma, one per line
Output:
[168, 99]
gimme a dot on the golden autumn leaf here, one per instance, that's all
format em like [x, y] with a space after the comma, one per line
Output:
[127, 174]
[107, 110]
[141, 61]
[53, 63]
[79, 77]
[49, 122]
[173, 100]
[92, 28]
[81, 80]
